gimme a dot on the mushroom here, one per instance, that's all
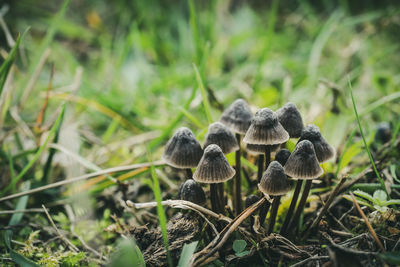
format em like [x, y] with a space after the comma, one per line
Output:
[214, 169]
[290, 118]
[323, 150]
[237, 117]
[265, 129]
[275, 183]
[302, 165]
[220, 135]
[192, 191]
[282, 156]
[183, 151]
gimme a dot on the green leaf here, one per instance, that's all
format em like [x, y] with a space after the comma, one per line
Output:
[239, 245]
[390, 257]
[243, 253]
[379, 196]
[391, 202]
[364, 195]
[206, 103]
[187, 253]
[127, 254]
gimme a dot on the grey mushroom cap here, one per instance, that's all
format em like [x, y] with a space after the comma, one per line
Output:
[237, 117]
[303, 163]
[290, 118]
[213, 167]
[220, 135]
[274, 181]
[323, 150]
[250, 200]
[282, 156]
[260, 149]
[192, 191]
[182, 150]
[265, 129]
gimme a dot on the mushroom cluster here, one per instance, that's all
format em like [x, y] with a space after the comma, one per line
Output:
[265, 134]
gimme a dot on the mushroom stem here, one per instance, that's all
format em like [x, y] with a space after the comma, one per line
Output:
[295, 221]
[263, 212]
[237, 185]
[221, 196]
[189, 173]
[291, 207]
[274, 212]
[260, 167]
[267, 156]
[216, 203]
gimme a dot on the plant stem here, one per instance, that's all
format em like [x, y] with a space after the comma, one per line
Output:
[267, 156]
[215, 200]
[291, 207]
[263, 212]
[237, 186]
[274, 212]
[260, 167]
[221, 197]
[189, 173]
[295, 221]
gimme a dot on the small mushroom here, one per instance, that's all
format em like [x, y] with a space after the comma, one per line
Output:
[214, 169]
[274, 183]
[282, 156]
[220, 135]
[290, 118]
[323, 150]
[192, 191]
[237, 117]
[183, 151]
[302, 165]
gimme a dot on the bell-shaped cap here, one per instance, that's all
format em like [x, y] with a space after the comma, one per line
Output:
[282, 156]
[182, 150]
[220, 135]
[303, 163]
[213, 167]
[274, 181]
[290, 118]
[265, 129]
[260, 149]
[237, 117]
[250, 200]
[323, 150]
[192, 191]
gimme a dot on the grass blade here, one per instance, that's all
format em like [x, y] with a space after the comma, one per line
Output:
[187, 253]
[160, 210]
[364, 140]
[203, 91]
[37, 154]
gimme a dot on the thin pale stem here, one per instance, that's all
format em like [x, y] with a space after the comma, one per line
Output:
[291, 207]
[306, 191]
[274, 212]
[237, 187]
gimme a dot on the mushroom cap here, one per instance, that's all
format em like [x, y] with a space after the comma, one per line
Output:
[250, 200]
[260, 149]
[274, 181]
[265, 129]
[237, 117]
[182, 150]
[220, 135]
[323, 150]
[213, 167]
[290, 118]
[303, 163]
[192, 191]
[282, 156]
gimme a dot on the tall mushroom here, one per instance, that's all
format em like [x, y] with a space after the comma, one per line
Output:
[302, 165]
[274, 183]
[214, 169]
[290, 118]
[237, 118]
[323, 150]
[265, 129]
[183, 151]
